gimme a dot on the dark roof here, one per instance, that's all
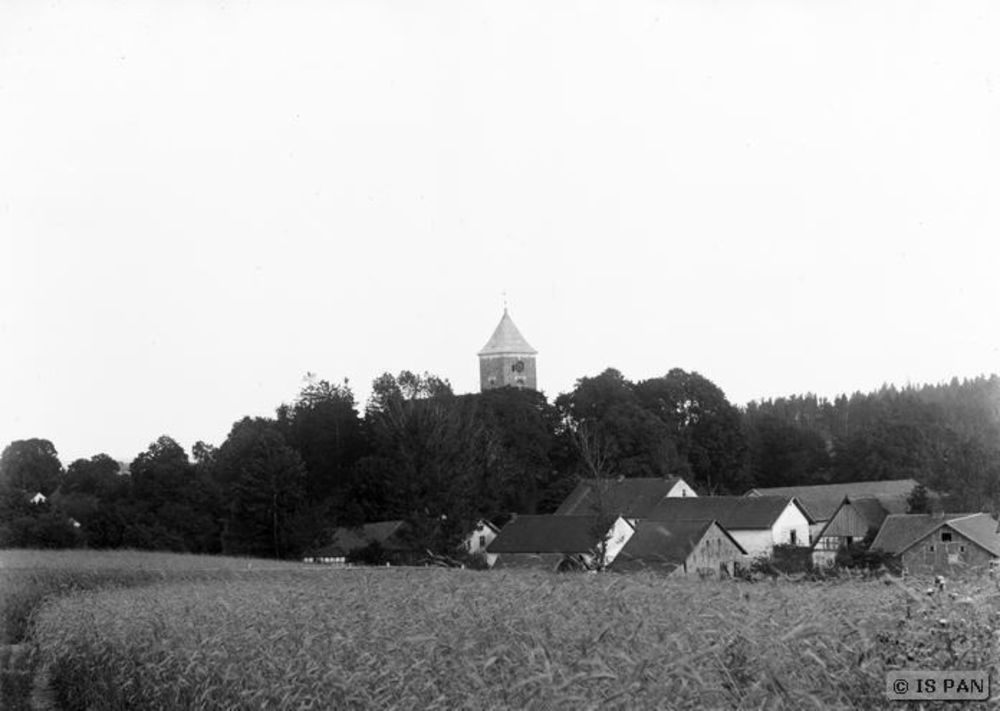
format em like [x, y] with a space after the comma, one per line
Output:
[632, 498]
[549, 534]
[665, 542]
[346, 540]
[822, 501]
[873, 510]
[900, 532]
[732, 512]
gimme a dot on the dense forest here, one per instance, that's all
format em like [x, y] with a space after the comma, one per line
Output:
[277, 486]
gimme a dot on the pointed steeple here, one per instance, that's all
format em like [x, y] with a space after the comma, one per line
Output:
[507, 340]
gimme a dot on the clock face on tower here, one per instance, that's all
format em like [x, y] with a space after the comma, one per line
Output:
[519, 366]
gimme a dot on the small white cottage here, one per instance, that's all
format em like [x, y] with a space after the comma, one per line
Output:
[481, 535]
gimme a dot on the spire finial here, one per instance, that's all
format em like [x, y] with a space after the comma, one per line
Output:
[505, 301]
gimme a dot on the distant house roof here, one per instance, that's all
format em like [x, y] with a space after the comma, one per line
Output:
[823, 500]
[632, 498]
[550, 534]
[665, 542]
[900, 532]
[507, 340]
[346, 540]
[732, 512]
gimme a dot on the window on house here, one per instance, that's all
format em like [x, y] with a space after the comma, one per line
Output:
[482, 541]
[931, 548]
[793, 537]
[946, 536]
[962, 548]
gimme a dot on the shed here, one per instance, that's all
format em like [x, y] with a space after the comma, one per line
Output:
[702, 548]
[854, 520]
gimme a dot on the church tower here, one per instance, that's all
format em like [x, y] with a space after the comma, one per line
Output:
[507, 359]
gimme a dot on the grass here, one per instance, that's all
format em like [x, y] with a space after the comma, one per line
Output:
[432, 638]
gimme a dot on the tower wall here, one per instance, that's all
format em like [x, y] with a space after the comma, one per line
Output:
[497, 371]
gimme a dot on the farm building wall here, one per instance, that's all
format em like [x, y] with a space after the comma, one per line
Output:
[477, 541]
[847, 523]
[815, 529]
[715, 553]
[846, 527]
[760, 542]
[756, 542]
[791, 527]
[537, 561]
[932, 555]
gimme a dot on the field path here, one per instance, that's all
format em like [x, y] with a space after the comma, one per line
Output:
[43, 696]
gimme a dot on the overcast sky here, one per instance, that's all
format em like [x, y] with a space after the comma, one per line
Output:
[202, 201]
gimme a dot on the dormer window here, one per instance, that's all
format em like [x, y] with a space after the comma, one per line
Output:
[946, 536]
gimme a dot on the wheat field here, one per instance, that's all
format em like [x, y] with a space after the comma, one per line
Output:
[298, 637]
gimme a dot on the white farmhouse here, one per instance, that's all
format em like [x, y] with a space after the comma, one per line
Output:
[757, 523]
[481, 535]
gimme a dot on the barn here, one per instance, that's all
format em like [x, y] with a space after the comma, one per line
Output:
[628, 497]
[823, 500]
[680, 548]
[389, 535]
[854, 520]
[554, 542]
[756, 523]
[942, 544]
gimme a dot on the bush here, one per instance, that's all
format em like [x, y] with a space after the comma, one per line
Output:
[858, 556]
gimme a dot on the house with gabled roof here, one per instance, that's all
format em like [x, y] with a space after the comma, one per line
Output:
[680, 548]
[554, 542]
[823, 500]
[758, 524]
[479, 537]
[943, 544]
[854, 520]
[629, 497]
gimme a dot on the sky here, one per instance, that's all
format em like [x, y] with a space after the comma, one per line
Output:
[200, 202]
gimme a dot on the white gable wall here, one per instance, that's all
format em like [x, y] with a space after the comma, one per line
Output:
[619, 534]
[757, 542]
[681, 488]
[480, 537]
[791, 519]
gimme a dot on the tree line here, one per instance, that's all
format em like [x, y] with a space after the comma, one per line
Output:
[278, 485]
